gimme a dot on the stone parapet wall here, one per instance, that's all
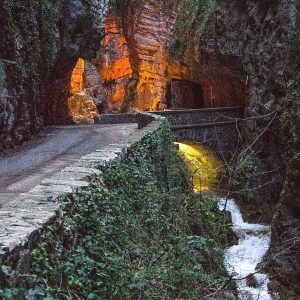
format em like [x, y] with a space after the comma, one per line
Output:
[176, 117]
[216, 128]
[199, 116]
[116, 118]
[222, 138]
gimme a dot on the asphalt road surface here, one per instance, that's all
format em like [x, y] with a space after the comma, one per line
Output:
[59, 148]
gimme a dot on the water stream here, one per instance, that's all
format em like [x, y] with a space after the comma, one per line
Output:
[242, 260]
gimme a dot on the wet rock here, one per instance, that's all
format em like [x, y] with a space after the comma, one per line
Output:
[251, 281]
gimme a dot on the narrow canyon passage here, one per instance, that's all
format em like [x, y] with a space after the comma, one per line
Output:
[60, 147]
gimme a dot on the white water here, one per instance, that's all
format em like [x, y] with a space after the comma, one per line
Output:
[241, 260]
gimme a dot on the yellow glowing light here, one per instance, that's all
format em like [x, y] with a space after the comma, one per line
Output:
[203, 164]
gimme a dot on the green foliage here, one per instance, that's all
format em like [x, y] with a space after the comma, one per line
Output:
[297, 156]
[191, 21]
[8, 293]
[141, 235]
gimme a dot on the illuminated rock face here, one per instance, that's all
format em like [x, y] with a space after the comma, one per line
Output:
[81, 107]
[134, 68]
[149, 37]
[138, 72]
[115, 71]
[76, 84]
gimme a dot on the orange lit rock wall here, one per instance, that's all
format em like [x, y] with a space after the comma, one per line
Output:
[149, 37]
[76, 84]
[80, 105]
[136, 68]
[115, 67]
[133, 69]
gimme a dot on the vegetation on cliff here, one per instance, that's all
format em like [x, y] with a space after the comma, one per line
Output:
[285, 253]
[191, 19]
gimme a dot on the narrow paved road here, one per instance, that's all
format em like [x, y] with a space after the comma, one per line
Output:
[59, 148]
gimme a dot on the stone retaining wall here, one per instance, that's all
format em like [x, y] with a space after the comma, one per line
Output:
[200, 116]
[23, 220]
[222, 138]
[116, 118]
[177, 117]
[216, 128]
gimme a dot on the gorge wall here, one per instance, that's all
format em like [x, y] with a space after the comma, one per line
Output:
[262, 38]
[260, 41]
[40, 42]
[141, 69]
[152, 54]
[243, 53]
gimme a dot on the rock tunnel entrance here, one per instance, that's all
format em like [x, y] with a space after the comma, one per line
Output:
[70, 94]
[184, 94]
[73, 94]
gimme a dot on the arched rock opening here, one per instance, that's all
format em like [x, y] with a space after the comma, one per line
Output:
[40, 44]
[74, 96]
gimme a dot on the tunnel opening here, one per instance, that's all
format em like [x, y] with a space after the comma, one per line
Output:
[70, 95]
[183, 94]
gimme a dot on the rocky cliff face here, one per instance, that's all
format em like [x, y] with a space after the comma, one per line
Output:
[141, 70]
[242, 53]
[81, 106]
[115, 67]
[40, 42]
[262, 37]
[149, 37]
[133, 62]
[286, 221]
